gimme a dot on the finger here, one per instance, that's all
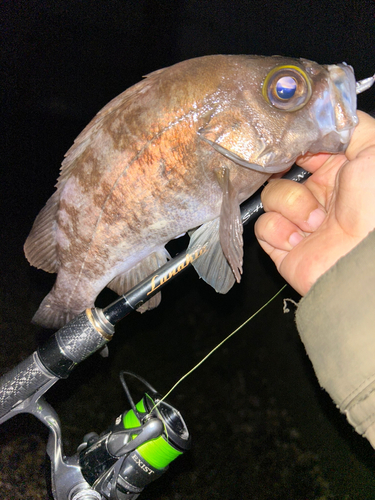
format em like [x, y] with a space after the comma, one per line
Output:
[274, 231]
[295, 202]
[356, 213]
[270, 237]
[363, 136]
[362, 147]
[312, 162]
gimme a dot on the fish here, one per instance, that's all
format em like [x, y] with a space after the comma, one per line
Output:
[179, 152]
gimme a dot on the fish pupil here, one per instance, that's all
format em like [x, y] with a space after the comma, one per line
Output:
[286, 87]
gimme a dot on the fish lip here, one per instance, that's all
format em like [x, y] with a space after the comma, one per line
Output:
[345, 135]
[344, 96]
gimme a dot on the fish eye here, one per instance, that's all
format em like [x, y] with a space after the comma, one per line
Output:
[287, 88]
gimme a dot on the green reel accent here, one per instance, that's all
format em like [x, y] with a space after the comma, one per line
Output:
[157, 452]
[130, 419]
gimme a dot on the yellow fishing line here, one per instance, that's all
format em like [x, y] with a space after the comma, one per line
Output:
[219, 345]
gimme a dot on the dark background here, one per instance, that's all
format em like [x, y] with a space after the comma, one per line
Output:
[262, 428]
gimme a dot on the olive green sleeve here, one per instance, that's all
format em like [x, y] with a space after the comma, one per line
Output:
[336, 322]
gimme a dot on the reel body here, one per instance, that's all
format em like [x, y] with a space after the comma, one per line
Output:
[134, 451]
[119, 463]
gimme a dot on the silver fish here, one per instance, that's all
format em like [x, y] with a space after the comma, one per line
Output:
[179, 150]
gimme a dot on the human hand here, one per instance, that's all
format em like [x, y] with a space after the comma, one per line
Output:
[309, 226]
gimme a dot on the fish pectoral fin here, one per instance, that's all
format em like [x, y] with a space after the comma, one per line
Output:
[40, 246]
[231, 229]
[221, 264]
[212, 266]
[127, 280]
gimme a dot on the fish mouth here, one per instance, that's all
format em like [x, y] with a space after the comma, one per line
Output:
[344, 96]
[336, 110]
[343, 78]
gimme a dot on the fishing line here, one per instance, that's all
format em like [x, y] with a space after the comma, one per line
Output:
[219, 345]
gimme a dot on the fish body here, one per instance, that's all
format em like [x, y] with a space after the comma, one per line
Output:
[180, 149]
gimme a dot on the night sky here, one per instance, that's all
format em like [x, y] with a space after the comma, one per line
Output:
[62, 61]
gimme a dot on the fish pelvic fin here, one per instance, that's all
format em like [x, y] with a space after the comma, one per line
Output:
[126, 281]
[40, 247]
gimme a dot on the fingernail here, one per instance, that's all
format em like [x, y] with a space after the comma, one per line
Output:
[295, 238]
[315, 219]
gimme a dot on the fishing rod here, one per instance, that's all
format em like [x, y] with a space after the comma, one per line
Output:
[141, 443]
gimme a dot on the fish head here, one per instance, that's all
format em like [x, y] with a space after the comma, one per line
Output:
[283, 108]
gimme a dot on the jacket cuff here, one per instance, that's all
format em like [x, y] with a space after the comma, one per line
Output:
[336, 322]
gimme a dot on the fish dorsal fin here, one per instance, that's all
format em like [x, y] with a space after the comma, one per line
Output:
[212, 266]
[230, 230]
[126, 99]
[40, 247]
[127, 280]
